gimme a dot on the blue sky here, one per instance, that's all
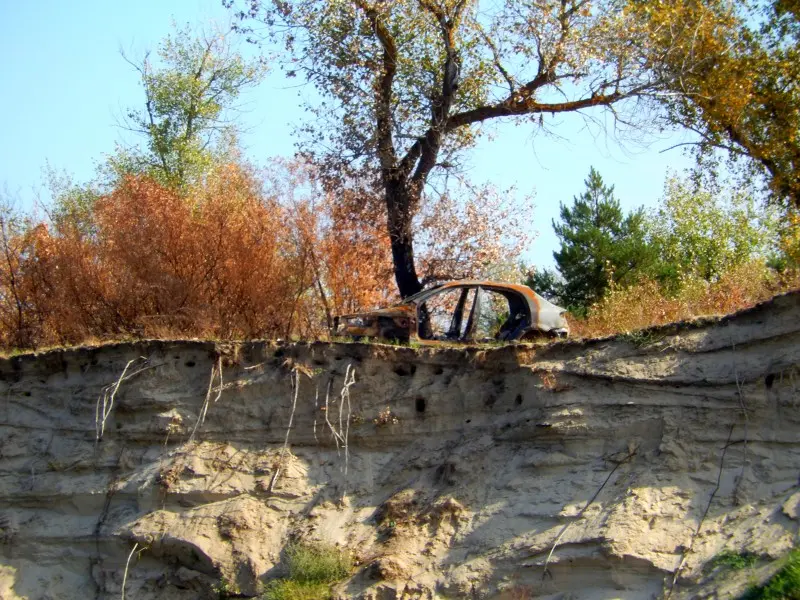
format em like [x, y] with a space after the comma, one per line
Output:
[65, 83]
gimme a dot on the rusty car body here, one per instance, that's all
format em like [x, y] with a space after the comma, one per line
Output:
[464, 311]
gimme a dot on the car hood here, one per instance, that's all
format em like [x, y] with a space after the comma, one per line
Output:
[548, 316]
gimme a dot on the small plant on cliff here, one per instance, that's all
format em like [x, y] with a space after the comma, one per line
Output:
[386, 417]
[734, 560]
[312, 571]
[784, 585]
[225, 588]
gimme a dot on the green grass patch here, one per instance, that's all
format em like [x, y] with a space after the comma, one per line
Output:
[734, 560]
[784, 585]
[312, 571]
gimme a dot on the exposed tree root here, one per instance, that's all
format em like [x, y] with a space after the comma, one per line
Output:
[341, 434]
[105, 402]
[296, 385]
[127, 566]
[216, 371]
[703, 518]
[561, 533]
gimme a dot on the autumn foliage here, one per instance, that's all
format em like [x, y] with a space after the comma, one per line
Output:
[224, 261]
[242, 256]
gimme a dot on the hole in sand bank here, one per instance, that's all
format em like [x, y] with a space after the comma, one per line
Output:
[190, 363]
[420, 404]
[405, 370]
[518, 399]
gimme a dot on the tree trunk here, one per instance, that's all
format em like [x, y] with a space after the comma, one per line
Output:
[399, 214]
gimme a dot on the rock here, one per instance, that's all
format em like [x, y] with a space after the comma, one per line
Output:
[791, 508]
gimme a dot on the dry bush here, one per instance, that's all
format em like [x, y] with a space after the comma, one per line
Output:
[223, 261]
[18, 323]
[472, 234]
[341, 250]
[158, 264]
[647, 304]
[343, 261]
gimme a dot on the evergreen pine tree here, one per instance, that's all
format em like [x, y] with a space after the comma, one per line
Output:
[599, 244]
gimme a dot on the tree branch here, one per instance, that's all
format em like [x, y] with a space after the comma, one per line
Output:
[431, 142]
[496, 59]
[386, 151]
[511, 107]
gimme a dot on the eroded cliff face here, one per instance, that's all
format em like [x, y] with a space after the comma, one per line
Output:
[612, 468]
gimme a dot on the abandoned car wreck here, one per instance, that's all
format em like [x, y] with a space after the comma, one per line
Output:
[461, 312]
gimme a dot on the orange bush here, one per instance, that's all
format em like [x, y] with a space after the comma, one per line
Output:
[342, 257]
[159, 264]
[221, 262]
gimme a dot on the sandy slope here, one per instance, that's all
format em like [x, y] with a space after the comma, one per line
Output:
[463, 467]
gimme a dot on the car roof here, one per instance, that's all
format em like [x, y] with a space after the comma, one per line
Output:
[535, 301]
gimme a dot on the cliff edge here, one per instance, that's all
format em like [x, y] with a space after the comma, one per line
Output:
[612, 468]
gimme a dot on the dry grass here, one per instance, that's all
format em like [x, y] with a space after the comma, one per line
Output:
[647, 304]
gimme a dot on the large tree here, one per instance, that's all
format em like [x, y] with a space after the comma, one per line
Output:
[189, 91]
[404, 85]
[741, 93]
[701, 234]
[599, 245]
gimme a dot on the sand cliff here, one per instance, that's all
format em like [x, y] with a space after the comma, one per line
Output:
[615, 468]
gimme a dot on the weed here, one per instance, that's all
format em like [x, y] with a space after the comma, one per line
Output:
[316, 563]
[312, 570]
[520, 592]
[642, 337]
[386, 417]
[734, 560]
[784, 585]
[225, 589]
[549, 381]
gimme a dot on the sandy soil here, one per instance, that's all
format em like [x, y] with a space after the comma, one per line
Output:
[615, 468]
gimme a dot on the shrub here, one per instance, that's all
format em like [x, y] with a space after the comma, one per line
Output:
[317, 563]
[647, 303]
[312, 569]
[221, 260]
[734, 560]
[286, 589]
[785, 585]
